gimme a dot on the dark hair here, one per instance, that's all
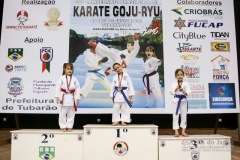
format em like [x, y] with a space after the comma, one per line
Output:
[151, 49]
[131, 42]
[116, 64]
[178, 70]
[65, 66]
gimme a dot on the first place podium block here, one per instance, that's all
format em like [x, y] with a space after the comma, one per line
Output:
[195, 147]
[106, 142]
[40, 144]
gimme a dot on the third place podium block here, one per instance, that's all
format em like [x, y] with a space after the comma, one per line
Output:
[106, 142]
[195, 147]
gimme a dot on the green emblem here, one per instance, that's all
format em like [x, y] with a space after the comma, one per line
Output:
[15, 53]
[46, 152]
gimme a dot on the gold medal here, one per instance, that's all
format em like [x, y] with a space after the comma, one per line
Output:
[119, 88]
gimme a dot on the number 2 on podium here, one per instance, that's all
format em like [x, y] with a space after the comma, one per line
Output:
[119, 130]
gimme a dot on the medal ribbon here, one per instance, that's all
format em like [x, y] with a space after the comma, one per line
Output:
[120, 76]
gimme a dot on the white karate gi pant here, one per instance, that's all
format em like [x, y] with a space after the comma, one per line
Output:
[183, 111]
[155, 95]
[66, 117]
[89, 82]
[121, 112]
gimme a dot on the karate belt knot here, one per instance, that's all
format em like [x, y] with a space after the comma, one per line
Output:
[97, 73]
[124, 95]
[180, 98]
[147, 76]
[70, 91]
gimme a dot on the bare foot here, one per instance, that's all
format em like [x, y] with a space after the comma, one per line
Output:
[123, 124]
[185, 135]
[63, 129]
[114, 124]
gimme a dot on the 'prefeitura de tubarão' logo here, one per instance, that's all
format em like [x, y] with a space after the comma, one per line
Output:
[15, 86]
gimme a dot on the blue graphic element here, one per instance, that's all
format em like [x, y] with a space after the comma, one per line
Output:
[222, 95]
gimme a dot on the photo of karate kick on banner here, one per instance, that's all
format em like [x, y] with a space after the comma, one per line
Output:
[129, 35]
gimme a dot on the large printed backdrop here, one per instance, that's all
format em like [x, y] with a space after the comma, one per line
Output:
[197, 36]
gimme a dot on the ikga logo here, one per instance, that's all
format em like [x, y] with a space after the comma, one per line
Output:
[120, 148]
[220, 71]
[46, 152]
[188, 47]
[53, 23]
[191, 71]
[220, 46]
[15, 53]
[22, 18]
[15, 86]
[9, 68]
[46, 56]
[195, 155]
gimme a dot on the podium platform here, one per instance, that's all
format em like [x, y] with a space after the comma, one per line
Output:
[29, 144]
[195, 147]
[106, 142]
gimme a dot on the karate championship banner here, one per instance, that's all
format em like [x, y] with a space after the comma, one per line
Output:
[198, 36]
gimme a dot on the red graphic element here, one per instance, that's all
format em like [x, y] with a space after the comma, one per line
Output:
[156, 24]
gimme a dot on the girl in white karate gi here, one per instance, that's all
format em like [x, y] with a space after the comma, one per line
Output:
[95, 74]
[121, 93]
[151, 79]
[180, 90]
[67, 94]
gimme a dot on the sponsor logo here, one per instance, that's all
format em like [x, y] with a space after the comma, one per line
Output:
[220, 46]
[80, 137]
[204, 24]
[33, 40]
[153, 132]
[187, 47]
[178, 10]
[189, 59]
[38, 2]
[222, 95]
[22, 18]
[187, 36]
[9, 68]
[179, 23]
[162, 143]
[203, 11]
[220, 71]
[88, 131]
[191, 71]
[46, 56]
[220, 35]
[15, 136]
[15, 53]
[46, 152]
[120, 148]
[200, 2]
[53, 23]
[15, 86]
[20, 68]
[195, 155]
[42, 86]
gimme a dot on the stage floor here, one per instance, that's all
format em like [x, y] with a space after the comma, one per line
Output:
[5, 138]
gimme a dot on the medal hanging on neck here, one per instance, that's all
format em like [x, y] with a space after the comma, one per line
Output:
[120, 76]
[68, 84]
